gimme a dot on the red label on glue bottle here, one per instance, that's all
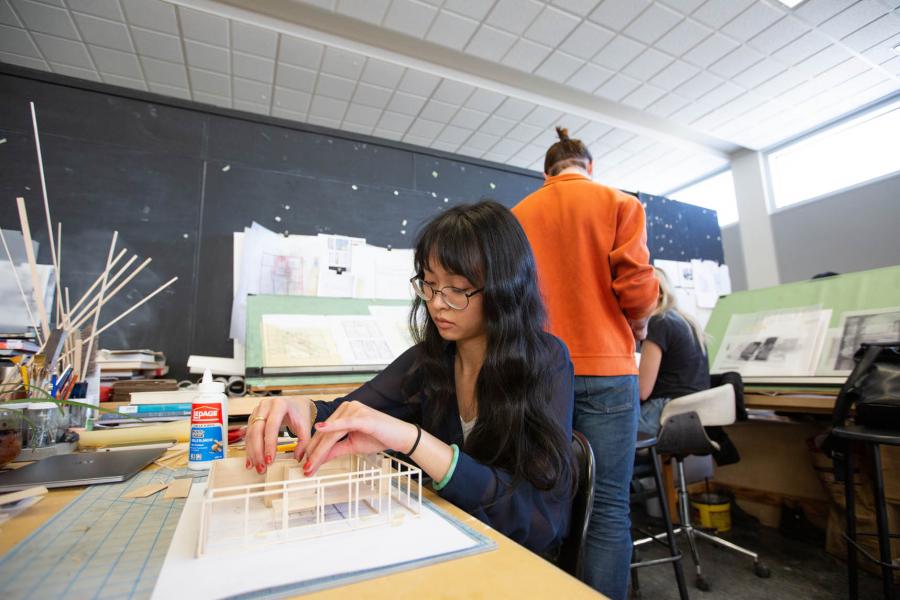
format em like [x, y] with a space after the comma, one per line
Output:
[209, 424]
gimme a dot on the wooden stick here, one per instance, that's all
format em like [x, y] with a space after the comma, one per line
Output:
[59, 307]
[112, 249]
[68, 343]
[37, 291]
[37, 143]
[124, 314]
[21, 289]
[22, 494]
[87, 311]
[100, 278]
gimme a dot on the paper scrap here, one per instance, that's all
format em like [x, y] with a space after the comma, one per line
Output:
[147, 490]
[180, 488]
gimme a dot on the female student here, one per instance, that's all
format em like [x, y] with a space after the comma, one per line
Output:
[482, 403]
[673, 358]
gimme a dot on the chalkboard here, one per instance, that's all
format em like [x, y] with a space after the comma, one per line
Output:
[176, 179]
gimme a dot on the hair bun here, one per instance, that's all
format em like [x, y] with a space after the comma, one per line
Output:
[563, 134]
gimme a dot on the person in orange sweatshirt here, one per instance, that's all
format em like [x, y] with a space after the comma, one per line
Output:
[590, 244]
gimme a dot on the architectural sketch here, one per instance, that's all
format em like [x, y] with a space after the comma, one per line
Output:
[293, 344]
[243, 509]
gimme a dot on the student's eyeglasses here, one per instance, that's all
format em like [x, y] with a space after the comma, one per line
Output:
[455, 298]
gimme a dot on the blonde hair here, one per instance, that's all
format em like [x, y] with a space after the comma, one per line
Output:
[668, 303]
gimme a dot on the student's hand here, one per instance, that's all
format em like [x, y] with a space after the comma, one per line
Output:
[639, 328]
[354, 428]
[266, 421]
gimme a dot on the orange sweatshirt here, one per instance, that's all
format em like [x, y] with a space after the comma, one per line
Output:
[590, 244]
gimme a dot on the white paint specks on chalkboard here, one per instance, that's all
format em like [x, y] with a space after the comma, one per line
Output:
[185, 236]
[278, 219]
[433, 195]
[2, 140]
[287, 207]
[396, 193]
[403, 224]
[226, 168]
[434, 174]
[446, 199]
[493, 185]
[402, 232]
[354, 187]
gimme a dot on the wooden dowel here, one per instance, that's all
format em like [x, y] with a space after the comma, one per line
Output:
[37, 291]
[127, 312]
[37, 144]
[112, 249]
[86, 309]
[59, 307]
[85, 315]
[87, 294]
[15, 271]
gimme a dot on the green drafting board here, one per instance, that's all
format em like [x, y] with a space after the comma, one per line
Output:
[863, 290]
[260, 305]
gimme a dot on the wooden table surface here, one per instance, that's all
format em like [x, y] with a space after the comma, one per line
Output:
[510, 571]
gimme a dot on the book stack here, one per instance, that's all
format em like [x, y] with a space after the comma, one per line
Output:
[17, 344]
[151, 407]
[131, 364]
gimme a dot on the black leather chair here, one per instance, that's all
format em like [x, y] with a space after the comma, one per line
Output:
[571, 552]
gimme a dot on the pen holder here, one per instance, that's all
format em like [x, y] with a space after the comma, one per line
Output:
[46, 422]
[77, 414]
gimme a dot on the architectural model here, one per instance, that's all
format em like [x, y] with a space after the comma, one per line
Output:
[243, 509]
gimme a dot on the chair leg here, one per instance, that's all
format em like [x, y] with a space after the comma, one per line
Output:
[670, 534]
[884, 540]
[852, 566]
[688, 529]
[635, 582]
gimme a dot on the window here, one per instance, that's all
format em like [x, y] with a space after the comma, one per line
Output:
[850, 153]
[716, 192]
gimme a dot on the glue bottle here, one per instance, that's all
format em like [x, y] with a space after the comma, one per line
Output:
[209, 424]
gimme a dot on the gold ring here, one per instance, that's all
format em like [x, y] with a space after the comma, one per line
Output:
[254, 420]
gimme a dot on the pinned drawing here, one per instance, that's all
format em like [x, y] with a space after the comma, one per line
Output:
[242, 509]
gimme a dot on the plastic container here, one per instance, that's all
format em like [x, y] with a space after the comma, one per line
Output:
[45, 424]
[209, 424]
[711, 511]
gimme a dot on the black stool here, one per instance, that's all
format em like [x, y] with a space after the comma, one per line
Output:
[648, 442]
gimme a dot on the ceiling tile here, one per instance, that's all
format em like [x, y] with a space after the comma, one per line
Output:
[710, 50]
[647, 64]
[126, 82]
[618, 53]
[586, 40]
[523, 132]
[17, 41]
[468, 118]
[822, 61]
[7, 16]
[698, 85]
[484, 100]
[514, 16]
[444, 146]
[817, 11]
[252, 67]
[506, 147]
[335, 87]
[381, 73]
[406, 104]
[211, 58]
[252, 107]
[779, 35]
[780, 83]
[578, 7]
[454, 135]
[289, 114]
[166, 73]
[151, 14]
[685, 7]
[617, 87]
[204, 27]
[395, 121]
[883, 51]
[752, 21]
[74, 71]
[515, 109]
[291, 100]
[108, 9]
[342, 63]
[490, 43]
[525, 55]
[668, 104]
[425, 128]
[475, 9]
[482, 141]
[295, 78]
[63, 51]
[593, 130]
[371, 95]
[453, 92]
[643, 97]
[116, 62]
[157, 45]
[616, 14]
[717, 13]
[356, 128]
[103, 32]
[250, 91]
[731, 64]
[857, 16]
[409, 17]
[589, 77]
[360, 114]
[683, 37]
[325, 122]
[253, 40]
[844, 71]
[171, 91]
[300, 53]
[207, 82]
[418, 83]
[803, 47]
[371, 11]
[24, 61]
[497, 125]
[874, 33]
[551, 27]
[653, 23]
[435, 110]
[674, 75]
[761, 71]
[452, 31]
[559, 67]
[46, 19]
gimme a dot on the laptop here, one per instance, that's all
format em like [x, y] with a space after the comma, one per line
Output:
[79, 468]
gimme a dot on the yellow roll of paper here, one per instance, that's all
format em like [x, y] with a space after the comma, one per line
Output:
[180, 431]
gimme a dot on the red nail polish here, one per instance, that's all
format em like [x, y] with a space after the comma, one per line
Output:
[247, 464]
[268, 459]
[259, 469]
[321, 425]
[306, 466]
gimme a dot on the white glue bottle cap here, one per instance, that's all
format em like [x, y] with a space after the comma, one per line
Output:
[208, 386]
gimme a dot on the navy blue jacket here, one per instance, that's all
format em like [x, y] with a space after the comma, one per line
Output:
[535, 518]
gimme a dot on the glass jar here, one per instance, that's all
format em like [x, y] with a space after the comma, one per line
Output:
[11, 423]
[46, 424]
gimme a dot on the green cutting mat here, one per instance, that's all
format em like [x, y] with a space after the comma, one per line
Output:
[99, 546]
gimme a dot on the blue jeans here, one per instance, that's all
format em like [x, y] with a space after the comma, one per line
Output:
[606, 412]
[651, 410]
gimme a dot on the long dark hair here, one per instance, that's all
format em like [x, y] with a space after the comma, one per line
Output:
[515, 430]
[566, 153]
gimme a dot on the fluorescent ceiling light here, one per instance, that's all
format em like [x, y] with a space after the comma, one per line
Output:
[790, 3]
